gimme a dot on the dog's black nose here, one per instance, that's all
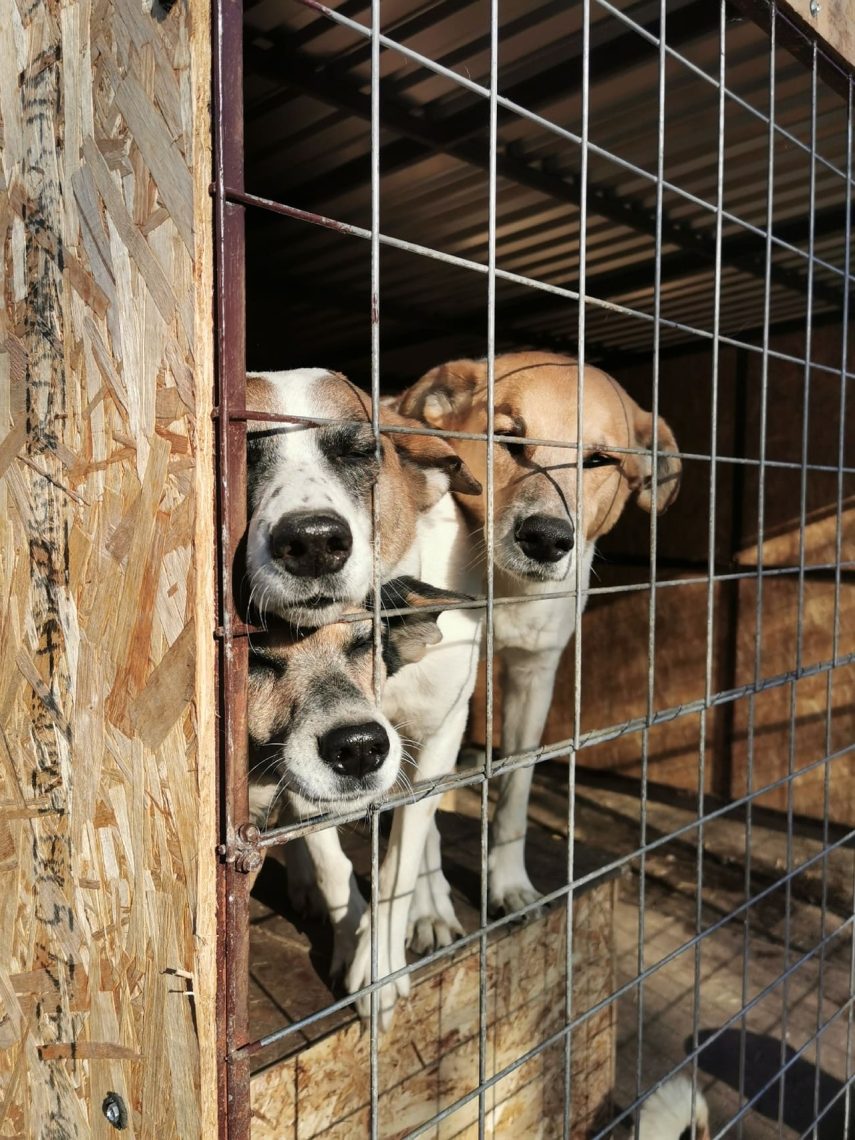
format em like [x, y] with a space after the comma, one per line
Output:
[310, 545]
[355, 749]
[544, 538]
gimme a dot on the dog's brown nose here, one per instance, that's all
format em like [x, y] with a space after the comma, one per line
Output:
[355, 749]
[310, 545]
[544, 538]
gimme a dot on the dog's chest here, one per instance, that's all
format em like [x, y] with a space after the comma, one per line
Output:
[422, 696]
[535, 624]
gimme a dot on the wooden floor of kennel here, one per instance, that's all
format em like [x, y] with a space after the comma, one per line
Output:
[318, 1084]
[108, 799]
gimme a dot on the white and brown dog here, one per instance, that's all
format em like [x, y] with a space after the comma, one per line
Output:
[310, 484]
[318, 740]
[541, 532]
[309, 555]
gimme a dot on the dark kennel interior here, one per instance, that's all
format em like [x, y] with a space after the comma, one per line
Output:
[308, 145]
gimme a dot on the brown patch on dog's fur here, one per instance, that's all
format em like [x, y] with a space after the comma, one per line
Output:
[536, 395]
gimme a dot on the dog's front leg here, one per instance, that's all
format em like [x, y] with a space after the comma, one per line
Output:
[333, 875]
[399, 874]
[432, 922]
[529, 679]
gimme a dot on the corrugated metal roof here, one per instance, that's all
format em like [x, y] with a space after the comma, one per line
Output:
[308, 145]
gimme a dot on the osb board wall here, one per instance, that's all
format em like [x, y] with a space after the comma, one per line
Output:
[429, 1059]
[831, 20]
[106, 770]
[615, 627]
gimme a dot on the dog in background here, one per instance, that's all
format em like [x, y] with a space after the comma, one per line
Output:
[537, 545]
[668, 1113]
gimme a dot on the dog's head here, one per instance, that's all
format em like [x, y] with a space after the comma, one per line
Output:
[310, 535]
[537, 396]
[316, 733]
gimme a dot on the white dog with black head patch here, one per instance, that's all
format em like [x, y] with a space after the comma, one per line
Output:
[310, 555]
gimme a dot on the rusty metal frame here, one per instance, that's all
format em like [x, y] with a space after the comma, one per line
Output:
[234, 858]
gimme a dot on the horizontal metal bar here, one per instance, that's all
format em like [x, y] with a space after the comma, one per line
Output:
[467, 777]
[534, 441]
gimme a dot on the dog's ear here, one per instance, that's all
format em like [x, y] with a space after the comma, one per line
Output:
[430, 453]
[639, 468]
[443, 393]
[409, 635]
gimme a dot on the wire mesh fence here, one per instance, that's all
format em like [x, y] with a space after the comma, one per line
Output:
[536, 238]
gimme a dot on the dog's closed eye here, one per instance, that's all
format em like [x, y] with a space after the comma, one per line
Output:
[362, 642]
[349, 445]
[507, 423]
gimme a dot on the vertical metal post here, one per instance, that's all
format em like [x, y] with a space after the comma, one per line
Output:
[849, 1108]
[793, 712]
[233, 886]
[578, 523]
[707, 716]
[651, 609]
[727, 642]
[483, 1012]
[758, 597]
[374, 1001]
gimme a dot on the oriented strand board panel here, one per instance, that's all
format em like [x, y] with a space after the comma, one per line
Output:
[106, 763]
[429, 1059]
[831, 20]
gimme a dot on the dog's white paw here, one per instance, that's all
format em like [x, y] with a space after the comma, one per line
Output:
[432, 922]
[512, 895]
[389, 959]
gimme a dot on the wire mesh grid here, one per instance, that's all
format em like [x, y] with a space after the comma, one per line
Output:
[800, 282]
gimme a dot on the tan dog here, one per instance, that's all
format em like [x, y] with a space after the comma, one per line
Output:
[541, 530]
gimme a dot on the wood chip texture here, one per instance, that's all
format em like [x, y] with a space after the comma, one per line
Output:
[106, 794]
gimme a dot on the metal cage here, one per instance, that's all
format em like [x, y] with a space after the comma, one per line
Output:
[663, 187]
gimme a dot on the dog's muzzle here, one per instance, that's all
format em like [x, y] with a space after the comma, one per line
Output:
[544, 538]
[310, 545]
